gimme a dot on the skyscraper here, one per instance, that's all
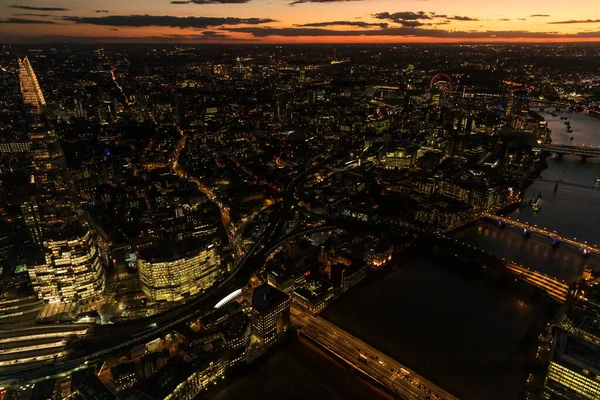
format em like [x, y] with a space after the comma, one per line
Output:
[574, 368]
[68, 266]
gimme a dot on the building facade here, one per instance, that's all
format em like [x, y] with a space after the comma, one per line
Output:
[270, 313]
[71, 269]
[174, 277]
[574, 367]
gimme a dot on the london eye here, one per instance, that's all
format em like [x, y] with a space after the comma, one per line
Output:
[443, 80]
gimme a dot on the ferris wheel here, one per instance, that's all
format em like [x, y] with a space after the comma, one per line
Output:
[441, 80]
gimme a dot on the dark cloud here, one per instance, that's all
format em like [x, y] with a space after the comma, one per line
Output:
[33, 8]
[407, 32]
[576, 21]
[538, 15]
[213, 34]
[358, 24]
[412, 19]
[25, 21]
[504, 19]
[101, 11]
[462, 18]
[454, 17]
[404, 16]
[209, 1]
[522, 19]
[174, 39]
[166, 20]
[319, 1]
[31, 15]
[411, 24]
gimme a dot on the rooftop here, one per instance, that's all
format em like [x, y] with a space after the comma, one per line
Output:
[314, 290]
[265, 298]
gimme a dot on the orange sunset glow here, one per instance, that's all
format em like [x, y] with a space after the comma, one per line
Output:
[299, 21]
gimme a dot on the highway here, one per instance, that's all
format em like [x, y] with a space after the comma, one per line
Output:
[366, 359]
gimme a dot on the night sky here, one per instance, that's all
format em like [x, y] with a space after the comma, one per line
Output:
[299, 21]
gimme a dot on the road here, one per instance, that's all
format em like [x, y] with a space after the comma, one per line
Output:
[235, 239]
[366, 359]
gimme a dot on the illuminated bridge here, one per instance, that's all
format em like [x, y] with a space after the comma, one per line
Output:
[558, 290]
[556, 238]
[583, 151]
[365, 359]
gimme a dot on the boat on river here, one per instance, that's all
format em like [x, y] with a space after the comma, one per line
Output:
[536, 204]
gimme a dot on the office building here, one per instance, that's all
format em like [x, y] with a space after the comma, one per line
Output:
[71, 268]
[168, 274]
[574, 368]
[314, 295]
[270, 313]
[236, 337]
[285, 280]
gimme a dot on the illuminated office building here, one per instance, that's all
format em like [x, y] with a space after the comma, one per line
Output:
[270, 313]
[171, 275]
[71, 269]
[30, 88]
[67, 267]
[574, 369]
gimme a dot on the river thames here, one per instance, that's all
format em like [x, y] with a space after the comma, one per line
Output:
[571, 210]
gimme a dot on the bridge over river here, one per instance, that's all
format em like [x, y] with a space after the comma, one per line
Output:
[560, 149]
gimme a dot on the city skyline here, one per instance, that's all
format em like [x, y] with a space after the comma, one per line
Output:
[299, 21]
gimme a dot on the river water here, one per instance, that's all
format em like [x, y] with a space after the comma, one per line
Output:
[460, 330]
[573, 210]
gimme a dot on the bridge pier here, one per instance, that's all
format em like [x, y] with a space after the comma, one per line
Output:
[526, 233]
[586, 253]
[555, 242]
[583, 158]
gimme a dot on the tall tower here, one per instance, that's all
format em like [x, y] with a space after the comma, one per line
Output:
[69, 267]
[30, 88]
[239, 65]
